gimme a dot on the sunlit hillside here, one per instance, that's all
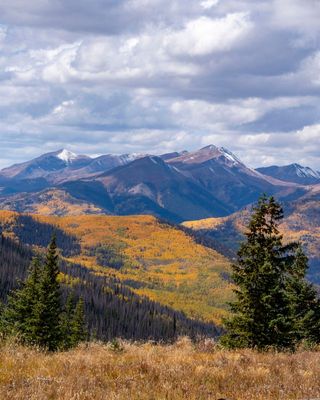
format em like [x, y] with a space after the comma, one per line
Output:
[50, 202]
[154, 372]
[155, 259]
[301, 223]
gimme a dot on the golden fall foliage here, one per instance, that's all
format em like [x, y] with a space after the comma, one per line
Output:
[167, 264]
[300, 225]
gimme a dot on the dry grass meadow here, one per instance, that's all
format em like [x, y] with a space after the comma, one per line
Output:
[182, 371]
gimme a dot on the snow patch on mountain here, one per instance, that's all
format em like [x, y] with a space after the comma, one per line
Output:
[306, 172]
[230, 156]
[127, 158]
[67, 156]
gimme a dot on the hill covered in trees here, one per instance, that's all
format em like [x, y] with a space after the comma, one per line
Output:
[148, 257]
[111, 308]
[301, 223]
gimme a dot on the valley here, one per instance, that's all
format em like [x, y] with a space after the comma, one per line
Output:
[117, 207]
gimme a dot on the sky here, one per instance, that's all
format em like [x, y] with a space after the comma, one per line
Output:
[152, 76]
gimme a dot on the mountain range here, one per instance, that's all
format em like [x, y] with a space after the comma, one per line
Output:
[293, 173]
[177, 186]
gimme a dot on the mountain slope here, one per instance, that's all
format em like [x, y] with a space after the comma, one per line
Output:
[112, 310]
[221, 173]
[56, 201]
[301, 223]
[209, 182]
[45, 165]
[151, 186]
[152, 258]
[292, 173]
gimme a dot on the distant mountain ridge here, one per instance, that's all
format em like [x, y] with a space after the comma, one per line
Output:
[177, 186]
[63, 164]
[45, 165]
[292, 173]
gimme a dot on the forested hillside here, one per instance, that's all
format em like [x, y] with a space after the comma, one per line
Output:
[111, 308]
[301, 223]
[133, 257]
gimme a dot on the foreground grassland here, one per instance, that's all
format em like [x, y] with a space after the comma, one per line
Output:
[148, 372]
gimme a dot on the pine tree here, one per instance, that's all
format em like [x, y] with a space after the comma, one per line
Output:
[34, 312]
[48, 308]
[261, 312]
[78, 328]
[18, 317]
[304, 302]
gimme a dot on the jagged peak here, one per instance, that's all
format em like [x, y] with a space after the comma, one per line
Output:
[306, 172]
[229, 155]
[211, 152]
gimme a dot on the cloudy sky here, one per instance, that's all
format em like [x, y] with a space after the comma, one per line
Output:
[101, 76]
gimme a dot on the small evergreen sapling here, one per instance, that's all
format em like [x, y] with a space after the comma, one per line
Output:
[304, 302]
[73, 328]
[78, 329]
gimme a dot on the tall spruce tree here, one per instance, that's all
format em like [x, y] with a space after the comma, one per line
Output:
[262, 313]
[48, 309]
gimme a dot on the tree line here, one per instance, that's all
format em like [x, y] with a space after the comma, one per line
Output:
[111, 309]
[35, 314]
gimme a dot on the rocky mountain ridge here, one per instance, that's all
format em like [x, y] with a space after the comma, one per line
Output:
[177, 186]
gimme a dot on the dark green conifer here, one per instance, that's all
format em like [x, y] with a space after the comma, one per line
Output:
[48, 308]
[66, 323]
[34, 312]
[78, 327]
[261, 312]
[18, 317]
[304, 302]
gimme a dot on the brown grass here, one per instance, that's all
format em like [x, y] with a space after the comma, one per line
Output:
[139, 372]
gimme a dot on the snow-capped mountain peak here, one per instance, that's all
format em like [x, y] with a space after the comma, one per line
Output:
[292, 173]
[306, 172]
[229, 155]
[66, 156]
